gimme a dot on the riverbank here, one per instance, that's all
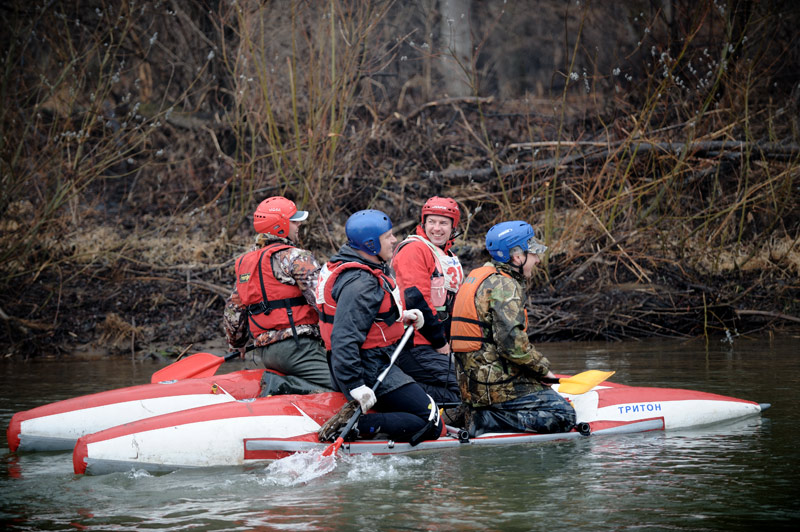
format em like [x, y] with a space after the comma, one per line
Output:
[160, 292]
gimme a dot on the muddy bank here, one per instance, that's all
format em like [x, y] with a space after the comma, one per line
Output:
[130, 309]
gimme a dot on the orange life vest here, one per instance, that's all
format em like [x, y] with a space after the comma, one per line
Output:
[386, 329]
[287, 306]
[466, 331]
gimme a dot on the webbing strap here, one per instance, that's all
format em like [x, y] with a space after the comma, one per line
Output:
[266, 306]
[470, 320]
[483, 324]
[483, 339]
[431, 428]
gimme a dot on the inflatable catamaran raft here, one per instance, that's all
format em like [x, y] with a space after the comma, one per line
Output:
[245, 432]
[189, 417]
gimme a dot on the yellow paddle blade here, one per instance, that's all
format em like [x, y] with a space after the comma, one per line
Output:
[583, 382]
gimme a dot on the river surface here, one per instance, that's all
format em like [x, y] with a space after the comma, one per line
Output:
[737, 476]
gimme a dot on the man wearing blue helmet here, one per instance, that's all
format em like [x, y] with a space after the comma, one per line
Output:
[499, 372]
[361, 322]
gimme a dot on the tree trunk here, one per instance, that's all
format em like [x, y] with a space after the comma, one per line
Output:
[456, 59]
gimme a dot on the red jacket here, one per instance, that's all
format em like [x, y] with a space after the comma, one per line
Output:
[417, 269]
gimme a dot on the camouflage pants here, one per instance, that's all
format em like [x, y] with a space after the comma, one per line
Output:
[543, 412]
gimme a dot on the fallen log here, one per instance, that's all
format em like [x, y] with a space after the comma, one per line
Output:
[729, 148]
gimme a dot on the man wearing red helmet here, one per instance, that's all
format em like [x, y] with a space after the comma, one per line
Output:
[273, 299]
[429, 275]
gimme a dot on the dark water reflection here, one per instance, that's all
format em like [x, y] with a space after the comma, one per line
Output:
[737, 476]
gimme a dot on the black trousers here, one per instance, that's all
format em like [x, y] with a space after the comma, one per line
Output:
[435, 372]
[402, 413]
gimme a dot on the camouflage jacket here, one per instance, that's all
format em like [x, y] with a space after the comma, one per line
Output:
[293, 266]
[511, 367]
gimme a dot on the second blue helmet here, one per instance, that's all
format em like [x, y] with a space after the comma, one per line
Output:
[505, 236]
[364, 230]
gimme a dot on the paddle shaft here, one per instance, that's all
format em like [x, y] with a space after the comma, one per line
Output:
[234, 354]
[596, 378]
[357, 414]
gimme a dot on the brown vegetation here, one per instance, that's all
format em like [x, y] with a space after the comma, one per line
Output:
[655, 144]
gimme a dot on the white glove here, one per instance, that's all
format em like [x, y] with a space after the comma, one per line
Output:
[414, 316]
[365, 397]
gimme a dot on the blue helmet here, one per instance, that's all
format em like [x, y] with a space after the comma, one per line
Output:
[364, 230]
[505, 236]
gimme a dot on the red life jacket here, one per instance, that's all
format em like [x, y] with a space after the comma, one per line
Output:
[466, 334]
[287, 306]
[382, 332]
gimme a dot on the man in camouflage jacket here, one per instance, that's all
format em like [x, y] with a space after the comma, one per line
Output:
[499, 371]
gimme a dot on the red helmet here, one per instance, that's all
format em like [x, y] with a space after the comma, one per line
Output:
[274, 214]
[446, 207]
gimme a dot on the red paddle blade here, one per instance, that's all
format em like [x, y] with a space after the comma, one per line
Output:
[192, 367]
[332, 448]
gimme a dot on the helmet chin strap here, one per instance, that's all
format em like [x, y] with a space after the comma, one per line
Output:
[521, 266]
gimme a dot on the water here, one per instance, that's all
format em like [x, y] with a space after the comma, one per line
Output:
[736, 476]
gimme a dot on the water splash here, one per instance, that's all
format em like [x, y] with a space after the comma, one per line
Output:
[135, 474]
[299, 468]
[367, 467]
